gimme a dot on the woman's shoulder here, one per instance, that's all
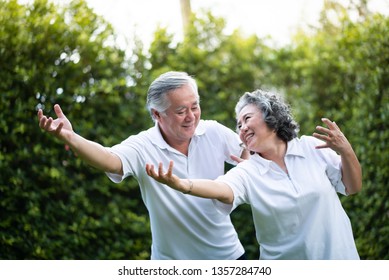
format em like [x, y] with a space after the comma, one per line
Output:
[309, 140]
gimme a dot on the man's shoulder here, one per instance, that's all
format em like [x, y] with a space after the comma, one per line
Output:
[141, 136]
[211, 124]
[210, 128]
[208, 123]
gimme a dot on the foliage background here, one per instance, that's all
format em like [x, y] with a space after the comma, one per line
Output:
[53, 206]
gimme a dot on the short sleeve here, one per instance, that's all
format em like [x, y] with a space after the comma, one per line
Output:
[232, 142]
[236, 180]
[129, 154]
[333, 168]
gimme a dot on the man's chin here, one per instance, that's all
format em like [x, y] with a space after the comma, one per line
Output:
[191, 128]
[189, 132]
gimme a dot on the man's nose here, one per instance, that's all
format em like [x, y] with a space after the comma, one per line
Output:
[190, 115]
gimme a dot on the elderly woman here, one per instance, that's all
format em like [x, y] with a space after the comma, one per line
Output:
[291, 183]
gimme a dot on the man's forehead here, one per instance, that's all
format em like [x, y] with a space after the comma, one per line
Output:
[184, 100]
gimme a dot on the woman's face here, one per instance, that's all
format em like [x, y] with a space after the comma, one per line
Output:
[253, 131]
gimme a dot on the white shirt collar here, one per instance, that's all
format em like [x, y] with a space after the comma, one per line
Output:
[157, 139]
[292, 150]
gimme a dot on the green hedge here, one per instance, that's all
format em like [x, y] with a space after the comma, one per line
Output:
[53, 206]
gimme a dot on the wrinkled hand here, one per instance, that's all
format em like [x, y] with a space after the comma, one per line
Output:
[167, 178]
[332, 136]
[60, 127]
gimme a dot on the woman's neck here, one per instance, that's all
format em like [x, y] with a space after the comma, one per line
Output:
[276, 153]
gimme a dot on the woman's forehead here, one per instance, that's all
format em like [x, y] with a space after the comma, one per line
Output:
[248, 109]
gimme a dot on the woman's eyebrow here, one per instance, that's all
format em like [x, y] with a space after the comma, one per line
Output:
[244, 116]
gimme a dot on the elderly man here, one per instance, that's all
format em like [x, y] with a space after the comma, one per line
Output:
[182, 226]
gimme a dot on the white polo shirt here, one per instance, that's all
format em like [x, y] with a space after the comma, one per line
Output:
[183, 226]
[298, 216]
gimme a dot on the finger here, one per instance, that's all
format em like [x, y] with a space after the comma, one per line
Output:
[42, 122]
[322, 137]
[336, 126]
[58, 111]
[147, 169]
[326, 121]
[150, 170]
[322, 146]
[59, 127]
[323, 130]
[40, 114]
[235, 158]
[330, 124]
[48, 124]
[160, 169]
[170, 169]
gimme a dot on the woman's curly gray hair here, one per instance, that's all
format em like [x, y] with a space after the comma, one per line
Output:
[275, 111]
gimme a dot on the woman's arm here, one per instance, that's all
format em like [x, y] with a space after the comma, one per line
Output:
[351, 172]
[197, 187]
[351, 168]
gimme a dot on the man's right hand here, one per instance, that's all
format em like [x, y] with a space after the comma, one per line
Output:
[60, 127]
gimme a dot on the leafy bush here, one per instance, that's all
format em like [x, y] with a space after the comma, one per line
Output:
[53, 206]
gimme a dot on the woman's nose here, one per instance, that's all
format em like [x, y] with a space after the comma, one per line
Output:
[243, 128]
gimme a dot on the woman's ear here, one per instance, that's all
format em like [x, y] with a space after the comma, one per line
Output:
[156, 114]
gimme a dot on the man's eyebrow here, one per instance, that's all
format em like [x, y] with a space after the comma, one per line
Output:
[180, 108]
[184, 107]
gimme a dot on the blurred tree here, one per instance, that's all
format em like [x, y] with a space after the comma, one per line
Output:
[52, 205]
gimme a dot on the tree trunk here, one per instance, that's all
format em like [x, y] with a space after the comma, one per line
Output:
[185, 13]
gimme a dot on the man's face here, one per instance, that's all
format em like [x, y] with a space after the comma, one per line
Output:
[180, 120]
